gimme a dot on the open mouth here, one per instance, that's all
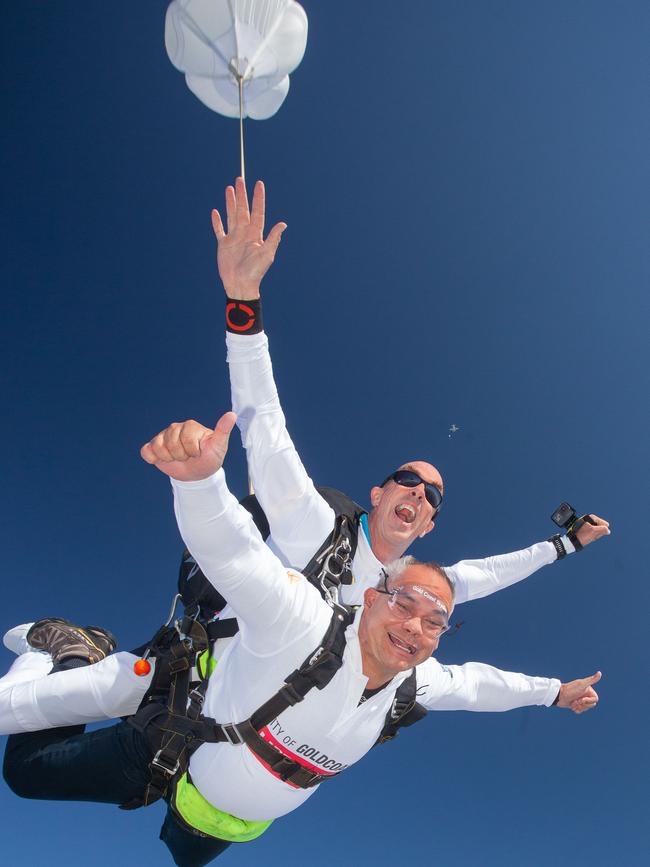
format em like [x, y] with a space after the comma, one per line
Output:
[405, 512]
[402, 645]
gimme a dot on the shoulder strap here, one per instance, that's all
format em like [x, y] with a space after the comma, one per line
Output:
[404, 711]
[199, 596]
[341, 503]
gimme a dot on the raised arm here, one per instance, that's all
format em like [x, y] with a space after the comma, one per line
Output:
[474, 579]
[266, 597]
[479, 687]
[298, 516]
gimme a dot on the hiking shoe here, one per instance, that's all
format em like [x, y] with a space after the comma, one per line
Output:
[64, 640]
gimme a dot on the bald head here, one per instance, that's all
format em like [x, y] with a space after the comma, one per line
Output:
[403, 511]
[426, 471]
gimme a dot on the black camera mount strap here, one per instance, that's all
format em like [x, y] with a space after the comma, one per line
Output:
[573, 530]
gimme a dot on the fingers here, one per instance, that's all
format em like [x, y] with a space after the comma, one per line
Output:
[178, 442]
[188, 442]
[583, 686]
[579, 689]
[600, 524]
[215, 445]
[226, 423]
[273, 240]
[217, 225]
[580, 705]
[147, 454]
[257, 212]
[241, 197]
[231, 208]
[595, 528]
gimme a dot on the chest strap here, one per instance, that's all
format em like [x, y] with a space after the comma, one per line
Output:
[177, 728]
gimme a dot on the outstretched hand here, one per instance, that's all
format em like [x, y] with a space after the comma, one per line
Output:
[243, 256]
[589, 533]
[579, 695]
[188, 451]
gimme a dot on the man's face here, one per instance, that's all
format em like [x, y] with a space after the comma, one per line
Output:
[390, 643]
[400, 515]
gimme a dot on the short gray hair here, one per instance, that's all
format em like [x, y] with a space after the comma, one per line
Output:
[395, 568]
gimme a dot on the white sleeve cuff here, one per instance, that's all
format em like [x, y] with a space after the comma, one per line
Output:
[217, 481]
[553, 691]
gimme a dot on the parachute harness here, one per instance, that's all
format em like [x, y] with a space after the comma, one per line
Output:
[170, 713]
[176, 727]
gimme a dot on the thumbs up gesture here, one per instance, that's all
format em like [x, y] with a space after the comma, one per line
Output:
[579, 695]
[188, 451]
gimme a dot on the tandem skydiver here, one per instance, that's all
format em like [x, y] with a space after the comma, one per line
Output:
[257, 754]
[301, 520]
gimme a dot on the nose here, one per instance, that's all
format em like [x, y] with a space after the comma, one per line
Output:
[413, 626]
[418, 491]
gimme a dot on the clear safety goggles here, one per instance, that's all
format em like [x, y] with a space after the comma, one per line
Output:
[412, 601]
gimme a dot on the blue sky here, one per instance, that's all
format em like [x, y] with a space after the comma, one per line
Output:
[465, 185]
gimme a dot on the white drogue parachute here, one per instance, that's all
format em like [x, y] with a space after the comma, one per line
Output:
[237, 54]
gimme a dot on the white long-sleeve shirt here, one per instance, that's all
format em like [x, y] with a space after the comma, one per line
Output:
[282, 619]
[300, 519]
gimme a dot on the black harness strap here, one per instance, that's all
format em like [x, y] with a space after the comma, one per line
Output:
[171, 714]
[222, 628]
[200, 596]
[175, 730]
[405, 711]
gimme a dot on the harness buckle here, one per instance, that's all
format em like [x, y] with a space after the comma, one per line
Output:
[289, 771]
[290, 694]
[312, 780]
[316, 656]
[165, 768]
[234, 736]
[196, 697]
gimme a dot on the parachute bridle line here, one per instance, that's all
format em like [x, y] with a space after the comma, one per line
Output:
[240, 85]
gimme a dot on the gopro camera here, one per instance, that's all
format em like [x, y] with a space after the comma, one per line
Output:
[564, 515]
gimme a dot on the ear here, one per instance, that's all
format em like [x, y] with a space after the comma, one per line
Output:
[427, 529]
[369, 597]
[376, 494]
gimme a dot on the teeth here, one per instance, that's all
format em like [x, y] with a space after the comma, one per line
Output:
[406, 512]
[402, 644]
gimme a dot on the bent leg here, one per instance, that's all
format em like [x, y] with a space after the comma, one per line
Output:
[187, 849]
[108, 766]
[31, 701]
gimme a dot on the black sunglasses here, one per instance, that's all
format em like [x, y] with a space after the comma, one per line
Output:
[410, 479]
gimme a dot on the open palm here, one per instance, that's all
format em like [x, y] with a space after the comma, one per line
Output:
[243, 256]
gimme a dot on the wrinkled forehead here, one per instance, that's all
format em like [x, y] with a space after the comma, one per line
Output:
[426, 471]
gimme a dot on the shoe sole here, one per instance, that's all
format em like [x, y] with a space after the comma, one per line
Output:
[85, 631]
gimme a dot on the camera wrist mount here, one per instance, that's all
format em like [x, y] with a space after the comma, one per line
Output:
[566, 517]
